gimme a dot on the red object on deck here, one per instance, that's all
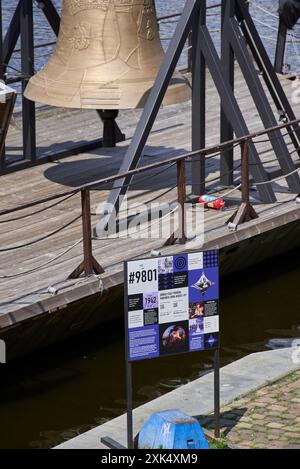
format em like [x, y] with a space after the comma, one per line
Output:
[216, 203]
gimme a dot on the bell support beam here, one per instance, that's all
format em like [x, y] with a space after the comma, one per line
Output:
[21, 25]
[14, 29]
[206, 55]
[280, 47]
[226, 131]
[264, 63]
[12, 35]
[261, 101]
[1, 44]
[2, 151]
[198, 103]
[27, 68]
[152, 107]
[233, 112]
[51, 14]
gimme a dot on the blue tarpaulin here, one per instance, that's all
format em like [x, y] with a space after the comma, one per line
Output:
[172, 429]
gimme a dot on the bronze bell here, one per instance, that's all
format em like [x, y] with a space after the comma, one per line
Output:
[107, 56]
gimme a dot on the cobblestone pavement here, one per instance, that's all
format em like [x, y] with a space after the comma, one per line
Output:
[268, 418]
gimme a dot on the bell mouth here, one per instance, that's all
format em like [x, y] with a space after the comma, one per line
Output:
[126, 94]
[107, 56]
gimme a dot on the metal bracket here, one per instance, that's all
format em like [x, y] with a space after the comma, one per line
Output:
[111, 444]
[89, 265]
[245, 212]
[111, 131]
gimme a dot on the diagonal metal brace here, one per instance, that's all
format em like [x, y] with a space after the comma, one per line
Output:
[152, 107]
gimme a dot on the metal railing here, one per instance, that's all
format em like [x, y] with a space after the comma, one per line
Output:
[244, 214]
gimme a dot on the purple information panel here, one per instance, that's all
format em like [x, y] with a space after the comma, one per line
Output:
[172, 305]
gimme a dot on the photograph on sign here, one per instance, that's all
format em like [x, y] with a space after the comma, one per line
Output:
[172, 305]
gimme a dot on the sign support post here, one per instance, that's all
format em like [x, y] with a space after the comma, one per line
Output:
[217, 393]
[128, 366]
[129, 388]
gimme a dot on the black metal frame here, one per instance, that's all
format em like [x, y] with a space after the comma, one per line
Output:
[239, 45]
[268, 72]
[27, 69]
[226, 131]
[22, 26]
[280, 46]
[238, 32]
[154, 102]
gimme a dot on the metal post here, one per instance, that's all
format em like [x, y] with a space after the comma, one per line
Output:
[27, 67]
[51, 14]
[87, 232]
[245, 173]
[227, 57]
[190, 52]
[179, 234]
[245, 212]
[12, 35]
[263, 61]
[2, 152]
[130, 439]
[1, 45]
[198, 103]
[128, 366]
[89, 265]
[181, 186]
[280, 47]
[217, 393]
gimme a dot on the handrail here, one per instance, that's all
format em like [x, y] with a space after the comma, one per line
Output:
[89, 264]
[245, 212]
[202, 152]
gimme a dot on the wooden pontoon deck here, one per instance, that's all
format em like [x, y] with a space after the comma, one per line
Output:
[24, 297]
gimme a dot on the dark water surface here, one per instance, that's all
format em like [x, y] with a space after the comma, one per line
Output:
[63, 391]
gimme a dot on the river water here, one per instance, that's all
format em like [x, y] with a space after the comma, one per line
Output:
[70, 388]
